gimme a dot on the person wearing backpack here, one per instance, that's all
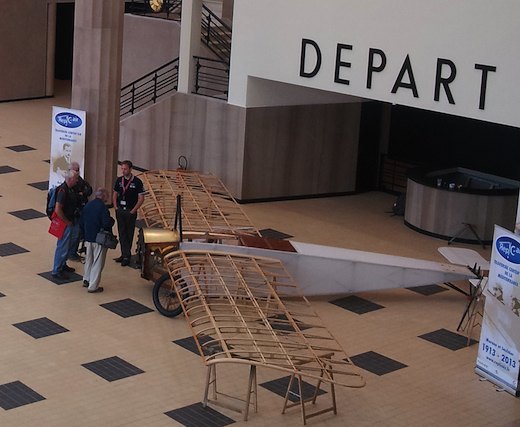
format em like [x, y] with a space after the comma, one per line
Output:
[83, 191]
[64, 209]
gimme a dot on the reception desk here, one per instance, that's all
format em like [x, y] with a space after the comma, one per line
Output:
[440, 203]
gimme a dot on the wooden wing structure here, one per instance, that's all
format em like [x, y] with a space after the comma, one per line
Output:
[209, 211]
[237, 310]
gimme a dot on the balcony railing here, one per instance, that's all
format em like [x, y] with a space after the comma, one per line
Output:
[211, 78]
[149, 88]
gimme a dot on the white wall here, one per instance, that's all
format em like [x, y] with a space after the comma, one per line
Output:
[148, 44]
[267, 43]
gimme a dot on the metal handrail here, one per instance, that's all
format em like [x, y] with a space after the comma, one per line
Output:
[211, 77]
[149, 88]
[216, 34]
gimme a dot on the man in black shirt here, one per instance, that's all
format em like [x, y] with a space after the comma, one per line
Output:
[65, 206]
[83, 191]
[127, 197]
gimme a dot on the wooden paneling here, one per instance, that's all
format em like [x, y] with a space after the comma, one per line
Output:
[258, 153]
[208, 132]
[300, 150]
[443, 212]
[23, 50]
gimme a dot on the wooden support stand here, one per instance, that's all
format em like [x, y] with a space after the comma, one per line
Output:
[211, 382]
[302, 400]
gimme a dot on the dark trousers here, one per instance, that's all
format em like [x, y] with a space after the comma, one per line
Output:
[126, 229]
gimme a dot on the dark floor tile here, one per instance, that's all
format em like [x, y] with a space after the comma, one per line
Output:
[113, 368]
[7, 169]
[428, 289]
[197, 415]
[280, 323]
[39, 328]
[190, 344]
[376, 363]
[27, 214]
[126, 307]
[42, 185]
[73, 277]
[7, 249]
[20, 148]
[279, 387]
[447, 339]
[274, 234]
[15, 394]
[356, 304]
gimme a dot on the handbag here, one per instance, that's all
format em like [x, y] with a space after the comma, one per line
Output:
[106, 239]
[57, 226]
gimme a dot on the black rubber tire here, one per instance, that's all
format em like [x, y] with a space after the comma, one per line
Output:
[164, 297]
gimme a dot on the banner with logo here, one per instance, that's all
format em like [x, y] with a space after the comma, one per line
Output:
[499, 348]
[67, 143]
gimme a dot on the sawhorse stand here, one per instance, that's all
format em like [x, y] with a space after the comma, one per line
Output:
[466, 226]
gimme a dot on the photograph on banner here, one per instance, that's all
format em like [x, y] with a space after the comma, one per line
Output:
[67, 143]
[499, 346]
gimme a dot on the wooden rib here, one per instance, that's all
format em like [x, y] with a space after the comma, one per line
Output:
[233, 298]
[208, 207]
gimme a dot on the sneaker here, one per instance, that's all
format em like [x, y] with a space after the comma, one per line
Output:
[60, 276]
[125, 262]
[118, 259]
[68, 269]
[85, 283]
[98, 289]
[74, 257]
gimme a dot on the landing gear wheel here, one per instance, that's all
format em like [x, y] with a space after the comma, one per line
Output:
[165, 298]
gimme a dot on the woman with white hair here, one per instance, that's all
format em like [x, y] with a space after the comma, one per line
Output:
[95, 217]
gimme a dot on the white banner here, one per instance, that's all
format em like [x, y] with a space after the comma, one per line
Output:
[67, 142]
[499, 348]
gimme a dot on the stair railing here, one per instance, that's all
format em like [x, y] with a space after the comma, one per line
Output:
[216, 34]
[211, 77]
[149, 88]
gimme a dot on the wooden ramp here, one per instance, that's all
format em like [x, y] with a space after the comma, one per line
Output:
[239, 312]
[209, 211]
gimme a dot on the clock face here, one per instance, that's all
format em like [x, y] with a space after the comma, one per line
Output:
[156, 5]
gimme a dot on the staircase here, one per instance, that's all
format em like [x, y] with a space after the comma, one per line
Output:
[212, 74]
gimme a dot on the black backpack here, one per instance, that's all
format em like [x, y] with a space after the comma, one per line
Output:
[51, 201]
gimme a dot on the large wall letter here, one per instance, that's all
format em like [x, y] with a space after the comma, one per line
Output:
[406, 68]
[444, 81]
[305, 43]
[340, 63]
[483, 83]
[371, 67]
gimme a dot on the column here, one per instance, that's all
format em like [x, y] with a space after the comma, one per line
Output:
[190, 43]
[96, 84]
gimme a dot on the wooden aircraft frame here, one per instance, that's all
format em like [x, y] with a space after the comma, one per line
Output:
[209, 211]
[238, 311]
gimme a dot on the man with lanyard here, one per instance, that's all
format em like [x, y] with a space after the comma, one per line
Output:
[64, 209]
[127, 197]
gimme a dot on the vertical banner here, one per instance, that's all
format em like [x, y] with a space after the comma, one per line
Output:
[67, 143]
[499, 347]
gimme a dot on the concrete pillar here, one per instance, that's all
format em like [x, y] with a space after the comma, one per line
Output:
[96, 84]
[190, 43]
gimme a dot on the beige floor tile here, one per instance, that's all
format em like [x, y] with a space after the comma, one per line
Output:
[438, 387]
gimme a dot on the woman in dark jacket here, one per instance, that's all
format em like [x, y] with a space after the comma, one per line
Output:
[94, 217]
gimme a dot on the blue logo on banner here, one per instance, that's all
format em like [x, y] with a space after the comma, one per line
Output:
[509, 249]
[69, 120]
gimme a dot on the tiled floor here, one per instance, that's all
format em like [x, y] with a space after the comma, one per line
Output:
[60, 378]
